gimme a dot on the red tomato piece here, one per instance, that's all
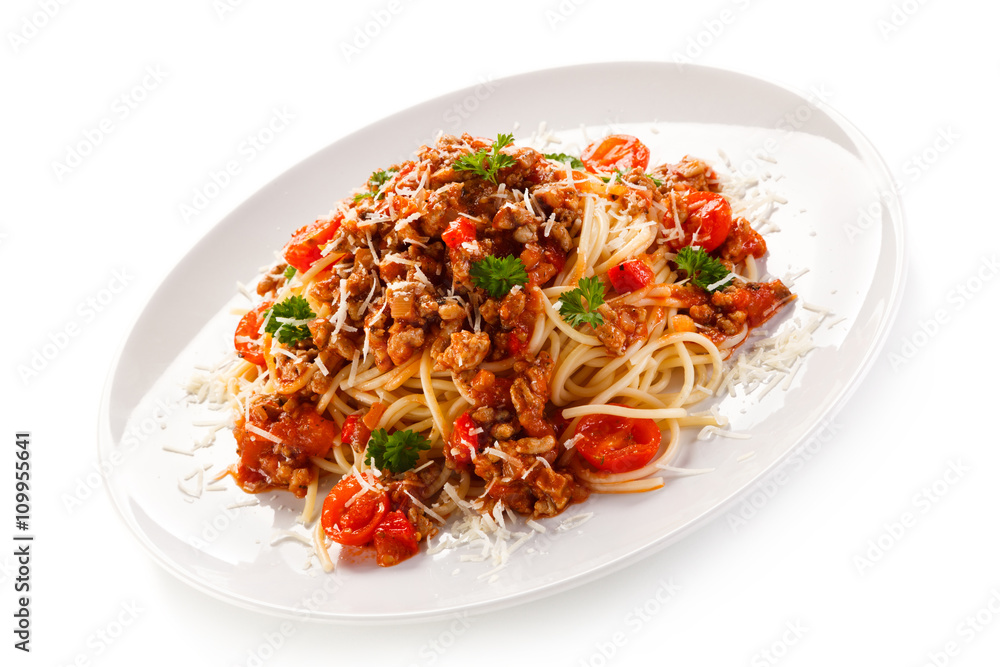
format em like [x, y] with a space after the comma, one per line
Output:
[395, 540]
[355, 524]
[460, 230]
[630, 275]
[708, 222]
[307, 432]
[245, 340]
[464, 442]
[618, 151]
[355, 433]
[617, 444]
[306, 246]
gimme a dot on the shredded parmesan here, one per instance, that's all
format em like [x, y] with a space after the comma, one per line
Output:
[264, 434]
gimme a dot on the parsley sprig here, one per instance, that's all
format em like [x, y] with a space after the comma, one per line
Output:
[703, 269]
[498, 275]
[571, 303]
[375, 183]
[574, 162]
[287, 320]
[486, 163]
[397, 452]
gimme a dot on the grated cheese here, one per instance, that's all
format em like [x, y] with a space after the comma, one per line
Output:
[264, 434]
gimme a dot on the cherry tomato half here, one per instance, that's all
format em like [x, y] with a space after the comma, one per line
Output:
[618, 151]
[306, 246]
[617, 444]
[395, 540]
[630, 275]
[460, 230]
[246, 338]
[708, 222]
[353, 525]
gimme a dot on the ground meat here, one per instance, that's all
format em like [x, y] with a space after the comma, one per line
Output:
[326, 341]
[404, 340]
[513, 216]
[467, 351]
[560, 234]
[511, 308]
[443, 206]
[273, 280]
[320, 383]
[529, 168]
[688, 174]
[265, 464]
[736, 307]
[327, 289]
[359, 285]
[559, 198]
[622, 326]
[530, 393]
[523, 478]
[490, 311]
[451, 309]
[555, 490]
[741, 243]
[289, 371]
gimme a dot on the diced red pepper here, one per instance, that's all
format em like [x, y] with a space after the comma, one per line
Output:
[460, 230]
[630, 275]
[464, 442]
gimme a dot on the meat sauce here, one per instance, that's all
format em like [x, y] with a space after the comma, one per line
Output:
[403, 284]
[265, 464]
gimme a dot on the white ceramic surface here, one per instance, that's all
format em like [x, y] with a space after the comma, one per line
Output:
[819, 163]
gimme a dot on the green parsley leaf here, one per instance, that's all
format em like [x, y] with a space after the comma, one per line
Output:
[703, 269]
[486, 163]
[380, 178]
[498, 275]
[375, 183]
[287, 320]
[289, 271]
[574, 161]
[571, 305]
[397, 452]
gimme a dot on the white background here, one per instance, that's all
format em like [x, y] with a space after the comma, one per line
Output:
[823, 572]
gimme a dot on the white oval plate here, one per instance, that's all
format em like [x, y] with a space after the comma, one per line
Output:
[825, 169]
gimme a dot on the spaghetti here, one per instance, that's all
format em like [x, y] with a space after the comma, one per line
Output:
[485, 327]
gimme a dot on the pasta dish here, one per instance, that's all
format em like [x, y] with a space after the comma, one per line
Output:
[489, 328]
